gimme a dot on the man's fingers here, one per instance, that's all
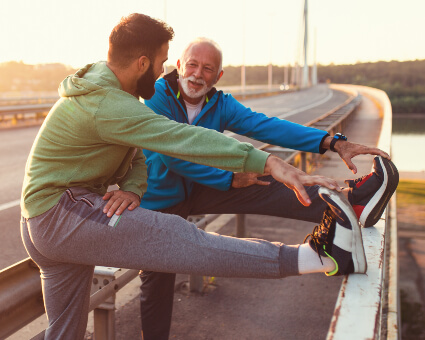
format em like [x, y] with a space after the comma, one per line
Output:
[113, 208]
[350, 165]
[109, 204]
[108, 195]
[302, 194]
[133, 205]
[322, 181]
[384, 154]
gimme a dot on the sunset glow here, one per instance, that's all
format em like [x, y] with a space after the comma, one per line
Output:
[76, 33]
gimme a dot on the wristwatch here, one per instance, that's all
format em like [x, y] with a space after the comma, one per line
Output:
[338, 136]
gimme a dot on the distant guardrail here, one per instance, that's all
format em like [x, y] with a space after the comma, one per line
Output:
[8, 101]
[34, 109]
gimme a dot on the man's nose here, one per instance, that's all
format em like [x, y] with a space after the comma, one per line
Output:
[197, 72]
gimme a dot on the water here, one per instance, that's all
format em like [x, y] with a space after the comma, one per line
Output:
[408, 142]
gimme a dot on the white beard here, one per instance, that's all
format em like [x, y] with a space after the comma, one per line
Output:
[192, 93]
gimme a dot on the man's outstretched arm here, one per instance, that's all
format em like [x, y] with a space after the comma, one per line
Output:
[243, 120]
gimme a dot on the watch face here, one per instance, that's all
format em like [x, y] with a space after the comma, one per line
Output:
[340, 136]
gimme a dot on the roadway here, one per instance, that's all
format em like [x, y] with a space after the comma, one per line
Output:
[299, 107]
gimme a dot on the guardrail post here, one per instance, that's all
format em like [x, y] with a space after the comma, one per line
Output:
[240, 225]
[196, 283]
[104, 314]
[303, 164]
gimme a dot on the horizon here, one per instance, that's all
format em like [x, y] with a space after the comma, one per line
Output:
[254, 65]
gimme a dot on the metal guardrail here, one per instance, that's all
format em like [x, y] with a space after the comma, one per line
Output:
[15, 110]
[20, 286]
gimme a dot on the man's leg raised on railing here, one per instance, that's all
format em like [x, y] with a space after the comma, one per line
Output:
[80, 234]
[275, 199]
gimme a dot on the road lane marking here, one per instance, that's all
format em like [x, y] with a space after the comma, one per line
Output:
[293, 112]
[8, 205]
[307, 107]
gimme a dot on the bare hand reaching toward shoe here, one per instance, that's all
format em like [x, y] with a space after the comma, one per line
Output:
[348, 150]
[296, 179]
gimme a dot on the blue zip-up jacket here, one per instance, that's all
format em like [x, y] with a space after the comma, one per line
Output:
[170, 180]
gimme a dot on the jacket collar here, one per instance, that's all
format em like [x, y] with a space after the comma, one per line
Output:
[172, 77]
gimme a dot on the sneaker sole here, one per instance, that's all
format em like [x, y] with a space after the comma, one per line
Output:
[376, 206]
[357, 254]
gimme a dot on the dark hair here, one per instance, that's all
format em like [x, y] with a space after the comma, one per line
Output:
[137, 35]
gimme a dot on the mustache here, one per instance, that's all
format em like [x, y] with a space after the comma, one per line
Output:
[193, 79]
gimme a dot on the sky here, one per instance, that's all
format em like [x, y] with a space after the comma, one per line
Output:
[252, 32]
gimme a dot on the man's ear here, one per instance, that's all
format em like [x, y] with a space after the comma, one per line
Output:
[178, 64]
[219, 76]
[143, 63]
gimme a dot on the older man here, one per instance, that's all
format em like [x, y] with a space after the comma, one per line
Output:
[187, 95]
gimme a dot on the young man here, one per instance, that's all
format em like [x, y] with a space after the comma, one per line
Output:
[187, 95]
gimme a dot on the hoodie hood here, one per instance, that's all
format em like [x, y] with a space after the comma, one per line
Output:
[91, 77]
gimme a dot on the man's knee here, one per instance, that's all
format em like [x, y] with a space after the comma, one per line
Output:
[156, 285]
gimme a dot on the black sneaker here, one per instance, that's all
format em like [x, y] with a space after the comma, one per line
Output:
[369, 195]
[339, 235]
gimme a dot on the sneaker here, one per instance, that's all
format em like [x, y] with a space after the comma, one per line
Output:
[370, 194]
[339, 235]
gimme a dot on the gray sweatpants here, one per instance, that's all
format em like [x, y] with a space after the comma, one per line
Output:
[71, 238]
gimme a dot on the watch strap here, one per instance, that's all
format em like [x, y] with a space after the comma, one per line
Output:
[338, 136]
[333, 141]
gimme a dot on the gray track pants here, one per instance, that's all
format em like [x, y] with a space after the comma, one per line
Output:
[157, 289]
[75, 235]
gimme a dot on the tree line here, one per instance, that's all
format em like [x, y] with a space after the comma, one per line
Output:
[404, 82]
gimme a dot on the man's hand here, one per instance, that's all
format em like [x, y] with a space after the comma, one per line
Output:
[296, 179]
[347, 151]
[119, 201]
[242, 180]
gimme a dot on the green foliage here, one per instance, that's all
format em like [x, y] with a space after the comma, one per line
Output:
[411, 192]
[404, 82]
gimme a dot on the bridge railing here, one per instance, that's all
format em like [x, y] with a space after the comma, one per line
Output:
[368, 305]
[23, 110]
[20, 287]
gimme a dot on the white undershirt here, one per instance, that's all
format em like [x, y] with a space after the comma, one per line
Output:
[193, 110]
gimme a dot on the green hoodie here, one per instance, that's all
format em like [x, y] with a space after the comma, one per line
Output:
[93, 136]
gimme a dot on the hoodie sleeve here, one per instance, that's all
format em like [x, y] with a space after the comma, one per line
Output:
[275, 131]
[122, 119]
[136, 174]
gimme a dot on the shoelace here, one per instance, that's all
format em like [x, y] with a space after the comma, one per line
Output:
[320, 233]
[353, 182]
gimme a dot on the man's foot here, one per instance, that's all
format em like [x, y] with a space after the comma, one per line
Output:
[369, 195]
[339, 235]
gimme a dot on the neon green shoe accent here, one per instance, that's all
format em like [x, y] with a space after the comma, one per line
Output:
[333, 272]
